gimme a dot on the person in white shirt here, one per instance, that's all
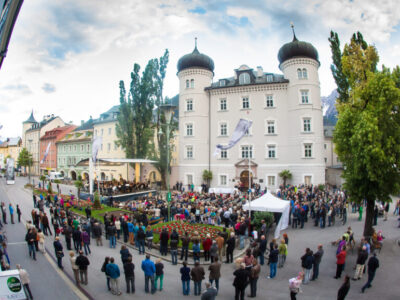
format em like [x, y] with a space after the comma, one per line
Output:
[24, 276]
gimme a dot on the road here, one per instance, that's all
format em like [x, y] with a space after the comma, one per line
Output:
[49, 285]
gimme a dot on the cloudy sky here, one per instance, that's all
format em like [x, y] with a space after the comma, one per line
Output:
[67, 57]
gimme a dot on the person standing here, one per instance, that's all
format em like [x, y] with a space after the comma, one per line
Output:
[344, 289]
[229, 248]
[173, 244]
[159, 274]
[210, 293]
[104, 270]
[77, 237]
[206, 247]
[262, 248]
[294, 285]
[24, 276]
[360, 212]
[240, 282]
[220, 244]
[215, 273]
[307, 261]
[185, 246]
[58, 249]
[3, 213]
[82, 262]
[360, 264]
[11, 209]
[254, 274]
[185, 278]
[317, 260]
[197, 275]
[112, 270]
[164, 238]
[19, 214]
[385, 213]
[40, 236]
[149, 270]
[74, 267]
[97, 234]
[112, 235]
[86, 242]
[282, 253]
[373, 265]
[273, 260]
[129, 270]
[340, 260]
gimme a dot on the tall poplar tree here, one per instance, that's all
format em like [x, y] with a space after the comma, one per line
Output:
[367, 134]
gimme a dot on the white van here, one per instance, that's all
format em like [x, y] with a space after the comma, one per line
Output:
[55, 176]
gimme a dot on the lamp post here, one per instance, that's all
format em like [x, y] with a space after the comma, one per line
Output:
[168, 110]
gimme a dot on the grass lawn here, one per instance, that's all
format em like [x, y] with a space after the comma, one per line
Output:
[98, 214]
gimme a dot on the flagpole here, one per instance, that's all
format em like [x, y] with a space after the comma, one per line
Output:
[248, 135]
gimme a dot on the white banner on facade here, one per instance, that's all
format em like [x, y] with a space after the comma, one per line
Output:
[241, 129]
[96, 147]
[46, 153]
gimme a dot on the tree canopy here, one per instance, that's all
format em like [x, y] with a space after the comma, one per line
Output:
[367, 134]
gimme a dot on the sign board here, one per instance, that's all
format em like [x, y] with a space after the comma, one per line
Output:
[169, 197]
[11, 286]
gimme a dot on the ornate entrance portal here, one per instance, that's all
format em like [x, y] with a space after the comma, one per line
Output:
[244, 179]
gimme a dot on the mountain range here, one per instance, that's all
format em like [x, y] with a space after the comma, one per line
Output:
[329, 108]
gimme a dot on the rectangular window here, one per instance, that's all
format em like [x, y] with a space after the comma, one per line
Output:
[245, 103]
[189, 178]
[271, 127]
[307, 150]
[189, 152]
[224, 154]
[189, 105]
[270, 101]
[102, 132]
[247, 151]
[222, 104]
[187, 83]
[109, 131]
[108, 147]
[324, 146]
[304, 97]
[192, 83]
[271, 151]
[326, 160]
[189, 129]
[223, 129]
[270, 78]
[223, 179]
[271, 180]
[307, 125]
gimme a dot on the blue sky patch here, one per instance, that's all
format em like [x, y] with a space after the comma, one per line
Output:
[198, 10]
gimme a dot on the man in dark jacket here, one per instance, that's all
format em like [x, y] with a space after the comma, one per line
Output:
[361, 259]
[185, 246]
[273, 260]
[210, 293]
[317, 260]
[229, 248]
[197, 274]
[262, 248]
[82, 262]
[240, 282]
[129, 269]
[125, 230]
[173, 244]
[307, 261]
[373, 265]
[112, 235]
[97, 234]
[30, 239]
[77, 237]
[141, 237]
[164, 237]
[58, 251]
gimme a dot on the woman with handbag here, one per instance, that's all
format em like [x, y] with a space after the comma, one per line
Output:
[58, 249]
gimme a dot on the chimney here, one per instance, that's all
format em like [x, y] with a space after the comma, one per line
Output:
[260, 71]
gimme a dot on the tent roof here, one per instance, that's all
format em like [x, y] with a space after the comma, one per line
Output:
[267, 202]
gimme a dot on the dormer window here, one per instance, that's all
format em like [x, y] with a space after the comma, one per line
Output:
[222, 82]
[244, 78]
[270, 78]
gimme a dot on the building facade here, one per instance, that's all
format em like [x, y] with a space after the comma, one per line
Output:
[11, 147]
[285, 110]
[74, 147]
[52, 136]
[32, 131]
[334, 167]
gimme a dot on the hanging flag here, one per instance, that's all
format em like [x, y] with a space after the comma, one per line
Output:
[241, 129]
[96, 145]
[46, 153]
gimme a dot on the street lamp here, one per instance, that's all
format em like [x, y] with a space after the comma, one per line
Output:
[168, 110]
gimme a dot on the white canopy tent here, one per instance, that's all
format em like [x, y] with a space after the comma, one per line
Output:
[269, 202]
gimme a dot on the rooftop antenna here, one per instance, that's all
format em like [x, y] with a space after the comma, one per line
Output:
[294, 34]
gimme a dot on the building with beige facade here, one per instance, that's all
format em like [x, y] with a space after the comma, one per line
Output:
[32, 131]
[334, 167]
[11, 147]
[287, 130]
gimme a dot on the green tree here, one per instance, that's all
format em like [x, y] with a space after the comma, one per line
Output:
[25, 160]
[207, 176]
[5, 159]
[42, 179]
[262, 215]
[367, 134]
[79, 185]
[285, 175]
[96, 202]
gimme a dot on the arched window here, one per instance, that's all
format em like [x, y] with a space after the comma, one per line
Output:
[299, 74]
[192, 83]
[244, 78]
[305, 75]
[187, 83]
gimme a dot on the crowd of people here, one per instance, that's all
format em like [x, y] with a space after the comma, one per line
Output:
[237, 232]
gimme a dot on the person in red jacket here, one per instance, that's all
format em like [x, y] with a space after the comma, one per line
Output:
[206, 247]
[340, 260]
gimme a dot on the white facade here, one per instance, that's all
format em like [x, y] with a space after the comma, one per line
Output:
[287, 130]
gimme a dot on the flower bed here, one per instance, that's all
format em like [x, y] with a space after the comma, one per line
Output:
[182, 227]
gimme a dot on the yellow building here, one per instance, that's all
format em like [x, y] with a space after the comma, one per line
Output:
[10, 148]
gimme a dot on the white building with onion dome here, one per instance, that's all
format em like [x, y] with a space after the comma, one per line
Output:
[285, 109]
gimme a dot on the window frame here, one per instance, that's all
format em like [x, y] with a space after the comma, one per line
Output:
[243, 78]
[189, 102]
[268, 101]
[243, 102]
[251, 149]
[267, 127]
[307, 93]
[186, 151]
[270, 145]
[307, 128]
[307, 153]
[220, 124]
[187, 128]
[221, 100]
